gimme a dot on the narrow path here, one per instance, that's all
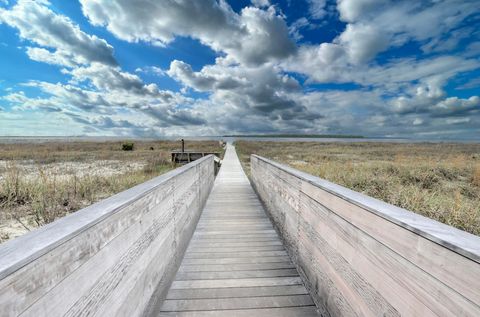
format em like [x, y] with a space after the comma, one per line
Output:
[236, 264]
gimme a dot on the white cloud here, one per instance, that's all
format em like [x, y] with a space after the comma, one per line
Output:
[317, 8]
[455, 106]
[151, 70]
[38, 24]
[254, 36]
[250, 87]
[328, 62]
[242, 97]
[57, 57]
[470, 84]
[98, 87]
[458, 120]
[295, 27]
[261, 3]
[352, 10]
[363, 42]
[401, 21]
[417, 121]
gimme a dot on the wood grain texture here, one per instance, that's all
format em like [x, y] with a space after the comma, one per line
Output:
[107, 259]
[362, 257]
[236, 264]
[307, 311]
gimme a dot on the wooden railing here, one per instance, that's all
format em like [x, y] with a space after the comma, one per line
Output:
[359, 256]
[114, 258]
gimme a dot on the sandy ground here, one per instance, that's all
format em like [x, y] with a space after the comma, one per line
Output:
[11, 228]
[62, 170]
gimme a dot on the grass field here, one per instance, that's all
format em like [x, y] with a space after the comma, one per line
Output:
[44, 181]
[440, 181]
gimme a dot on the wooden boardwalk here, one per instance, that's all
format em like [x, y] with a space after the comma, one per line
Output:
[236, 264]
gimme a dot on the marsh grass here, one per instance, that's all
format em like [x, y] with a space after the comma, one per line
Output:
[34, 196]
[440, 181]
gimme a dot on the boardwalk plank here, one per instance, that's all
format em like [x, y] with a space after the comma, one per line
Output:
[237, 292]
[269, 259]
[237, 303]
[239, 282]
[268, 312]
[236, 274]
[236, 265]
[235, 254]
[222, 244]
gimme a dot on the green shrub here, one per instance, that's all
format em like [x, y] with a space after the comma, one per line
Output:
[127, 146]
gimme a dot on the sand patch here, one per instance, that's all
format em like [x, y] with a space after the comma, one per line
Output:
[29, 170]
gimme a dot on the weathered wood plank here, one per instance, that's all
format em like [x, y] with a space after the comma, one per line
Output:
[232, 248]
[235, 259]
[238, 232]
[241, 243]
[237, 292]
[247, 282]
[235, 235]
[236, 303]
[243, 254]
[99, 258]
[308, 311]
[236, 274]
[370, 259]
[243, 260]
[360, 256]
[236, 267]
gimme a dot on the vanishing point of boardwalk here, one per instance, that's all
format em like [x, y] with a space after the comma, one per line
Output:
[236, 264]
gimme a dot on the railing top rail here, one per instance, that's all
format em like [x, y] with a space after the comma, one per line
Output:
[18, 252]
[452, 238]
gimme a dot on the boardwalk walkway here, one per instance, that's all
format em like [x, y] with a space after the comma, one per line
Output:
[236, 264]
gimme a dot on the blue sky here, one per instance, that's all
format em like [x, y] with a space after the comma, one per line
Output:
[369, 67]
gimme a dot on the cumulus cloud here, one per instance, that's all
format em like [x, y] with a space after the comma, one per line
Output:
[363, 42]
[75, 102]
[211, 78]
[260, 88]
[58, 57]
[254, 36]
[430, 100]
[114, 79]
[40, 25]
[397, 22]
[243, 99]
[374, 26]
[116, 125]
[98, 87]
[328, 62]
[455, 106]
[261, 3]
[261, 80]
[352, 10]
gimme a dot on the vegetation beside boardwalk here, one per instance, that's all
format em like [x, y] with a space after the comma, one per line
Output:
[440, 181]
[42, 182]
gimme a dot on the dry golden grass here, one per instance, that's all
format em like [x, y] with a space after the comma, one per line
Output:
[34, 191]
[476, 175]
[440, 181]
